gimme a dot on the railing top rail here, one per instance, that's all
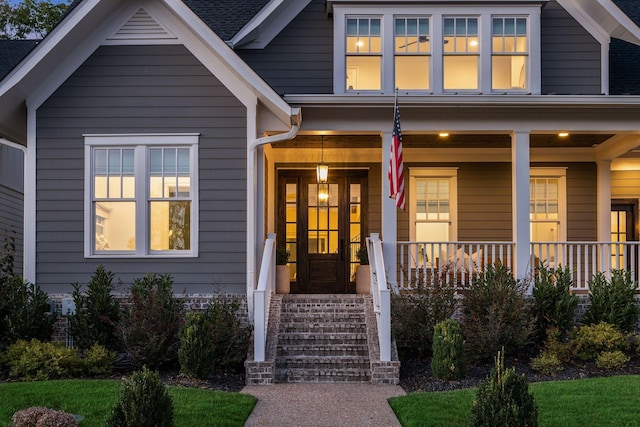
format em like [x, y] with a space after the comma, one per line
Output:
[458, 242]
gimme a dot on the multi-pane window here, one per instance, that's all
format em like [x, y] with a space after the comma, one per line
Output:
[141, 195]
[433, 209]
[364, 54]
[544, 209]
[461, 57]
[412, 53]
[509, 46]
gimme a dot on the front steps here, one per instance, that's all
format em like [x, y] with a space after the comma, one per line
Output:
[322, 338]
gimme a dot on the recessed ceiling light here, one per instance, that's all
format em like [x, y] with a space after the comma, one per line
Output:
[563, 134]
[443, 134]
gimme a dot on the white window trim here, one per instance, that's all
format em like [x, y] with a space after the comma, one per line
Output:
[140, 142]
[436, 14]
[561, 175]
[449, 173]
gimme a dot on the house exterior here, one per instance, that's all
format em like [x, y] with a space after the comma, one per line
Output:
[175, 136]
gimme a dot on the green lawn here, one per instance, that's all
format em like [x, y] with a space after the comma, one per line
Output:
[93, 400]
[613, 401]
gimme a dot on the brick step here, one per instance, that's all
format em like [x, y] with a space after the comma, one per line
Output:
[306, 311]
[323, 363]
[322, 339]
[323, 328]
[321, 316]
[324, 350]
[295, 375]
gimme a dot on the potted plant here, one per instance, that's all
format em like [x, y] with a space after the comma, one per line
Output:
[363, 272]
[283, 274]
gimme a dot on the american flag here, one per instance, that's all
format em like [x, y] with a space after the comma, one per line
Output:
[396, 168]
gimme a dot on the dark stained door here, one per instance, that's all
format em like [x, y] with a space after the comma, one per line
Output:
[624, 228]
[323, 226]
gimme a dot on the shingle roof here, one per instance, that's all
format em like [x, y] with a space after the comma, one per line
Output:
[12, 52]
[226, 17]
[624, 57]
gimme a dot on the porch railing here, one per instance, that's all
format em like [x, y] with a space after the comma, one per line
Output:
[381, 295]
[422, 262]
[262, 298]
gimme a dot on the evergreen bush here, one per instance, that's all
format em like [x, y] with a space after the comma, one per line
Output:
[97, 313]
[503, 399]
[591, 340]
[143, 401]
[448, 361]
[612, 360]
[496, 313]
[151, 323]
[40, 361]
[554, 305]
[613, 301]
[414, 315]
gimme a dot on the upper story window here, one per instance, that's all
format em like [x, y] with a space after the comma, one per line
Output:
[140, 195]
[437, 49]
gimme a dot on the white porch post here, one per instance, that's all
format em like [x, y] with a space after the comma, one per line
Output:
[389, 216]
[520, 201]
[604, 210]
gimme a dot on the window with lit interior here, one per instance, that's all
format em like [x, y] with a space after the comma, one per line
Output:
[509, 47]
[364, 53]
[412, 53]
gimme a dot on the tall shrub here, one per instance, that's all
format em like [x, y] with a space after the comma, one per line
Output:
[496, 313]
[151, 323]
[448, 361]
[614, 301]
[554, 305]
[143, 401]
[414, 315]
[97, 313]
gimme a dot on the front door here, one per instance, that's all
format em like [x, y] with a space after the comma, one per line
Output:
[322, 225]
[624, 217]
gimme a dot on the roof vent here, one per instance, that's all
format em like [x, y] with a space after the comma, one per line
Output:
[142, 26]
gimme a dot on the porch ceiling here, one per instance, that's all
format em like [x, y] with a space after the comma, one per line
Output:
[454, 140]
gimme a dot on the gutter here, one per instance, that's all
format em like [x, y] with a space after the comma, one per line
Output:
[252, 196]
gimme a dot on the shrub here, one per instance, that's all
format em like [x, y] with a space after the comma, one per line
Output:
[98, 361]
[43, 417]
[97, 313]
[35, 360]
[150, 325]
[496, 313]
[143, 401]
[7, 256]
[24, 312]
[613, 301]
[612, 360]
[503, 399]
[213, 339]
[547, 363]
[591, 340]
[554, 305]
[413, 316]
[448, 361]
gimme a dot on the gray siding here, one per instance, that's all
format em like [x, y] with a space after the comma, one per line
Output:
[11, 222]
[11, 168]
[571, 61]
[300, 58]
[142, 89]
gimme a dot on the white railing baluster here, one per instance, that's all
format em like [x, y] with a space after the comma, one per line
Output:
[262, 298]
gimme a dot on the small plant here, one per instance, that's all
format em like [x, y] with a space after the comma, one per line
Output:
[414, 315]
[448, 361]
[591, 340]
[97, 313]
[282, 256]
[43, 417]
[496, 313]
[503, 399]
[39, 361]
[7, 256]
[24, 312]
[554, 305]
[98, 361]
[363, 255]
[547, 363]
[612, 360]
[150, 325]
[143, 401]
[613, 301]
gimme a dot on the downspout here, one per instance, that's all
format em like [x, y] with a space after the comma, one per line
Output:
[22, 148]
[296, 121]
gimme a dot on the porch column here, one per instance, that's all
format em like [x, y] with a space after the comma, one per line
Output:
[520, 201]
[604, 200]
[389, 216]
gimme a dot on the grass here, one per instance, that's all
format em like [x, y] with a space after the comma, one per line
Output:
[93, 400]
[612, 401]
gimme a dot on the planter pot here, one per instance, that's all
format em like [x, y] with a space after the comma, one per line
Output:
[283, 279]
[363, 284]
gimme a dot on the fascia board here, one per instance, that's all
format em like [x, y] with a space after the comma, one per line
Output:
[603, 19]
[267, 24]
[235, 65]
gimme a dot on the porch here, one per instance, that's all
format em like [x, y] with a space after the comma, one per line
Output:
[420, 263]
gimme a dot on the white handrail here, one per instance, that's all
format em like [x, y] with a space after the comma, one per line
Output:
[262, 298]
[381, 295]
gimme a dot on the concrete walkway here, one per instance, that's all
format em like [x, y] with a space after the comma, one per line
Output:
[323, 405]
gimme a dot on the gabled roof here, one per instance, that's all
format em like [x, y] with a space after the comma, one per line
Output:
[624, 57]
[12, 52]
[226, 17]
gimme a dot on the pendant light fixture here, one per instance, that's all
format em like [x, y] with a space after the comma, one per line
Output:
[322, 170]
